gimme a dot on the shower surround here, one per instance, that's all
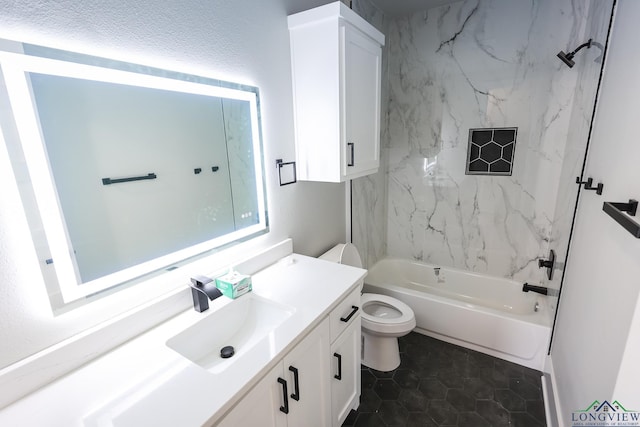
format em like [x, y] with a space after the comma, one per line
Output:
[482, 64]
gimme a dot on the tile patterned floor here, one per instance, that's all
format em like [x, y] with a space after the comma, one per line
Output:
[440, 384]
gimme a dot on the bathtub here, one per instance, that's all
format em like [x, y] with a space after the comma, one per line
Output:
[483, 313]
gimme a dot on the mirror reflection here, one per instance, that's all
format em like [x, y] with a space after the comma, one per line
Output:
[146, 168]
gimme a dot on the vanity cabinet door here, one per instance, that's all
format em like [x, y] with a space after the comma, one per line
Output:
[362, 67]
[304, 374]
[306, 369]
[261, 406]
[345, 373]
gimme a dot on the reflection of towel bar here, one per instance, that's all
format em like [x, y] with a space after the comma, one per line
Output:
[616, 211]
[108, 181]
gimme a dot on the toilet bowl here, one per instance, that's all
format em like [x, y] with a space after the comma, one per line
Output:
[384, 318]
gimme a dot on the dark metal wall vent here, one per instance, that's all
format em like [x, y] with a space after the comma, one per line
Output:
[490, 151]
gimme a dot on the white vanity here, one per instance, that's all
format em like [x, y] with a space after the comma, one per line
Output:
[298, 329]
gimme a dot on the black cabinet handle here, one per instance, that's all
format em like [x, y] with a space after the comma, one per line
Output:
[296, 386]
[285, 393]
[338, 376]
[351, 146]
[616, 211]
[354, 310]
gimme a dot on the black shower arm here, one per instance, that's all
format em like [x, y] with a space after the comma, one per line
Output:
[587, 44]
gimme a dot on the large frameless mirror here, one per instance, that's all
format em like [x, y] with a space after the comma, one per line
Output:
[129, 170]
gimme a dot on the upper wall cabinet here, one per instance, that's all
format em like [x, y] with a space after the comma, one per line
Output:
[336, 60]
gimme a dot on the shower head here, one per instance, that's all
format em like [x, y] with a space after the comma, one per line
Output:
[567, 58]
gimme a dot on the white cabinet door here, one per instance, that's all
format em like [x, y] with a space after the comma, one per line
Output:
[345, 373]
[336, 68]
[306, 369]
[261, 407]
[362, 68]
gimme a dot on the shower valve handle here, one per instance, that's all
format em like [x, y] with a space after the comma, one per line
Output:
[548, 263]
[544, 263]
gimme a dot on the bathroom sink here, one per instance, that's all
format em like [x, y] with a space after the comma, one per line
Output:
[244, 323]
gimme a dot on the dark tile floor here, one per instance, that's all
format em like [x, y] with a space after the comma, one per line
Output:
[441, 384]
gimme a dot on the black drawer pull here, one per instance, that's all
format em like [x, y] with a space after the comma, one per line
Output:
[338, 376]
[285, 393]
[296, 386]
[354, 310]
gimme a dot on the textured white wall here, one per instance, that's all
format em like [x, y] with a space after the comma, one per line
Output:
[241, 41]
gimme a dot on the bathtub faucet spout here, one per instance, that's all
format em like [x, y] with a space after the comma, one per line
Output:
[539, 289]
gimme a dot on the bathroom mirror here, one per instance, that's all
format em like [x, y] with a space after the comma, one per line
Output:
[129, 170]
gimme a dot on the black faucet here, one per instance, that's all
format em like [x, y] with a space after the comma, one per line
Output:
[203, 289]
[539, 289]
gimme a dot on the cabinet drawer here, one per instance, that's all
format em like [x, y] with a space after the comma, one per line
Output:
[345, 313]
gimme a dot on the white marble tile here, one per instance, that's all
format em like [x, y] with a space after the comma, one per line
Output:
[369, 194]
[482, 64]
[487, 64]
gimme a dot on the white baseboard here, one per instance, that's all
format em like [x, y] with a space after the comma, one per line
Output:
[552, 409]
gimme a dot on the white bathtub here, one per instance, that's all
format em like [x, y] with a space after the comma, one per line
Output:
[487, 314]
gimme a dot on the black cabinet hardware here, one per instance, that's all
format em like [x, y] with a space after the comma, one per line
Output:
[296, 385]
[338, 376]
[588, 185]
[617, 212]
[284, 408]
[109, 181]
[354, 310]
[352, 160]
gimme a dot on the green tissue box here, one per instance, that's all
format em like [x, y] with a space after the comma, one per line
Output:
[234, 284]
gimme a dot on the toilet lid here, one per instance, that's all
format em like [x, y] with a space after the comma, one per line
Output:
[406, 313]
[350, 256]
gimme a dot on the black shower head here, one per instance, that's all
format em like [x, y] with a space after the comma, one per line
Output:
[567, 58]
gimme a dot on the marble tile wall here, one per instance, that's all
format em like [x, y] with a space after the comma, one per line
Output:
[369, 194]
[480, 64]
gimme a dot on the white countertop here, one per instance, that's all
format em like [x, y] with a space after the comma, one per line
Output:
[144, 382]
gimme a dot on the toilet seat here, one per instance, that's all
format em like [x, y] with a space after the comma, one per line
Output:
[403, 323]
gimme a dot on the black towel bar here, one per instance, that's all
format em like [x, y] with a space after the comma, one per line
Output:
[617, 212]
[109, 181]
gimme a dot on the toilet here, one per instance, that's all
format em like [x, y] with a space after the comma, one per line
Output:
[384, 318]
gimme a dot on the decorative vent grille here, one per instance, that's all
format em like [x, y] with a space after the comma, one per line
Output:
[491, 151]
